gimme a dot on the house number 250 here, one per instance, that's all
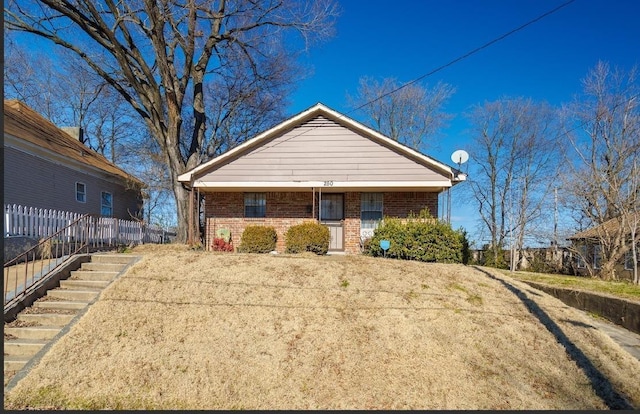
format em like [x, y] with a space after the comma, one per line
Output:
[328, 183]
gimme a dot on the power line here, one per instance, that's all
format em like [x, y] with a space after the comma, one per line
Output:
[466, 55]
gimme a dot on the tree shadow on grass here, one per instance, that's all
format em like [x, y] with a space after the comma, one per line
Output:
[600, 384]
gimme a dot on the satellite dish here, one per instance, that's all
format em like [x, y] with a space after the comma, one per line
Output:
[459, 156]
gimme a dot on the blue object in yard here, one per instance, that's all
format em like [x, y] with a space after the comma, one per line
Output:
[384, 245]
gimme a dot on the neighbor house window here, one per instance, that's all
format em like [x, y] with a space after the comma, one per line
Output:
[582, 254]
[370, 213]
[255, 204]
[106, 204]
[597, 256]
[628, 260]
[81, 193]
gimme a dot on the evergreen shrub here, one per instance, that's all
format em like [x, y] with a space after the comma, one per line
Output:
[258, 239]
[422, 237]
[309, 236]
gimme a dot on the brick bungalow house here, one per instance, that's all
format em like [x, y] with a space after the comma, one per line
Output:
[319, 165]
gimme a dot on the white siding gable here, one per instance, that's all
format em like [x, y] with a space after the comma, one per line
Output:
[321, 150]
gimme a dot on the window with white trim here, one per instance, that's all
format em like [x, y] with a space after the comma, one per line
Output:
[370, 212]
[255, 205]
[106, 204]
[81, 192]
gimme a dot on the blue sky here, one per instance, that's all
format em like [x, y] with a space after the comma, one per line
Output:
[406, 39]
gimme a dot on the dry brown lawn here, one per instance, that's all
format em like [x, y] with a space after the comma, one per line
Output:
[184, 329]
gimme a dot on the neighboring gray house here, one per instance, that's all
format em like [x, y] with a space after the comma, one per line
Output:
[44, 167]
[317, 165]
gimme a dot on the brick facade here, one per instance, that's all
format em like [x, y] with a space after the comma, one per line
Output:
[286, 209]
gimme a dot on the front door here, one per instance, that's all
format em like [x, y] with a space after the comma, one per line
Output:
[332, 216]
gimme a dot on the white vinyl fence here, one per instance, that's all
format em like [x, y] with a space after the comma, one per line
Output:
[39, 223]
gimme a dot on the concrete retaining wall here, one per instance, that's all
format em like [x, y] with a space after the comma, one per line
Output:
[16, 245]
[623, 312]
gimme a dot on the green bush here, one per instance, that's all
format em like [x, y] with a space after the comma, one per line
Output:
[258, 239]
[491, 260]
[308, 237]
[421, 238]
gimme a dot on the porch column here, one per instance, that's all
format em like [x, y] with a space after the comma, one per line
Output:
[190, 219]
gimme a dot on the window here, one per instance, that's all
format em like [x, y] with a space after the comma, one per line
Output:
[597, 256]
[106, 204]
[81, 193]
[370, 212]
[255, 205]
[581, 256]
[332, 207]
[628, 259]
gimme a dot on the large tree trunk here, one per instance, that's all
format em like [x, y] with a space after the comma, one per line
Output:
[607, 270]
[182, 207]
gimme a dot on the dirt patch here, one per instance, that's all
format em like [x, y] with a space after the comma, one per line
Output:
[186, 329]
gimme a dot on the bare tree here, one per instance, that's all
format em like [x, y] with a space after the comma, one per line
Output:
[239, 107]
[515, 162]
[70, 95]
[601, 177]
[632, 218]
[411, 115]
[154, 53]
[39, 85]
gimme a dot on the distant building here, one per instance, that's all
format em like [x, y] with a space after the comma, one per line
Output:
[588, 249]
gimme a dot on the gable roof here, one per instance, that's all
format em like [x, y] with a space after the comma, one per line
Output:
[24, 123]
[608, 227]
[303, 124]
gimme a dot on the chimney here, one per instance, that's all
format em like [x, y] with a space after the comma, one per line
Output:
[76, 132]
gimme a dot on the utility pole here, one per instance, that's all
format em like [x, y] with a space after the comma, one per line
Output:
[555, 223]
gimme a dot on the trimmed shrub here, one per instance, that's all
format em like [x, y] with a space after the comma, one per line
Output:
[421, 238]
[309, 236]
[258, 239]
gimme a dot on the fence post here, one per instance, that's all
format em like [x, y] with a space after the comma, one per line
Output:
[7, 229]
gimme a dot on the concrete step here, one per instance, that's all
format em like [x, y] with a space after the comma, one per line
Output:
[81, 284]
[104, 267]
[112, 258]
[73, 295]
[60, 304]
[34, 332]
[47, 319]
[92, 275]
[23, 347]
[15, 363]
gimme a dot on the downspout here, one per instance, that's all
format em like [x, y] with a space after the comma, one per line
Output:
[319, 204]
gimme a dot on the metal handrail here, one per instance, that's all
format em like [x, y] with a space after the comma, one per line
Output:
[68, 241]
